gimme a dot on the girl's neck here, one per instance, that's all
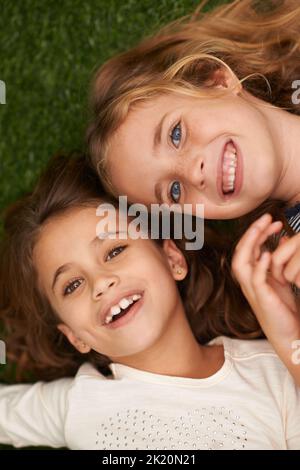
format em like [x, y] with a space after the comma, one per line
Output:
[285, 130]
[177, 353]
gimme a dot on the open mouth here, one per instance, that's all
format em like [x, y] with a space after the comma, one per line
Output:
[123, 311]
[229, 168]
[230, 171]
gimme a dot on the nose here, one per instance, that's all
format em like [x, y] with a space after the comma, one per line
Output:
[103, 283]
[194, 172]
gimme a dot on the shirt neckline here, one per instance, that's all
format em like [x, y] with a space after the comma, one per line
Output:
[120, 371]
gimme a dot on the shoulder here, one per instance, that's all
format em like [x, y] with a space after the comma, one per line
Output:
[255, 363]
[88, 370]
[244, 348]
[256, 352]
[241, 349]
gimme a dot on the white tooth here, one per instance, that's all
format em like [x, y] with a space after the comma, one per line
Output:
[231, 179]
[130, 301]
[124, 303]
[136, 296]
[228, 162]
[231, 147]
[231, 171]
[115, 310]
[229, 155]
[108, 319]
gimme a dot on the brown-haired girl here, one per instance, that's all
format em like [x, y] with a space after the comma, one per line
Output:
[111, 308]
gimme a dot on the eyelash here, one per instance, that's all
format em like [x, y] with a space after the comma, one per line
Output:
[171, 199]
[71, 284]
[178, 125]
[115, 248]
[173, 129]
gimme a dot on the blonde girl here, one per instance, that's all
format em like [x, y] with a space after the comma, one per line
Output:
[207, 111]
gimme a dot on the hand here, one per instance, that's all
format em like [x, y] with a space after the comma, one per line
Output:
[269, 295]
[285, 264]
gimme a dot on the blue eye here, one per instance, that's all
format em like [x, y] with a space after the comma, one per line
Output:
[176, 135]
[175, 191]
[72, 286]
[115, 251]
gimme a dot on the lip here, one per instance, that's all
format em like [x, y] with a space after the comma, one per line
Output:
[105, 311]
[238, 173]
[128, 317]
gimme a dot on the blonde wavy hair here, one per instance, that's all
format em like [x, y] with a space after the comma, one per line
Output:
[257, 41]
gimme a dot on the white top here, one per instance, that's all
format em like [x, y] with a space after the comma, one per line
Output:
[250, 403]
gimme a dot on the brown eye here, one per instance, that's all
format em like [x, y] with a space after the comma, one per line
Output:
[72, 286]
[115, 252]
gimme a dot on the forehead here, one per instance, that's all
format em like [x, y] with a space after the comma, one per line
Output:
[64, 231]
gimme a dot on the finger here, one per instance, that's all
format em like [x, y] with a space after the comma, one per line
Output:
[284, 292]
[243, 259]
[282, 240]
[260, 271]
[257, 226]
[281, 256]
[272, 229]
[292, 268]
[267, 298]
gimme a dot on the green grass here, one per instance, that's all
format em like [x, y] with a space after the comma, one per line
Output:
[48, 51]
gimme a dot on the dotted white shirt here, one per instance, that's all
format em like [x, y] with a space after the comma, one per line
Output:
[250, 403]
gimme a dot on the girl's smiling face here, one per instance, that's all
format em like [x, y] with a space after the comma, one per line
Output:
[83, 277]
[172, 149]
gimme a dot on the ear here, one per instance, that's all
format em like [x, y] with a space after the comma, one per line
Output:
[176, 260]
[224, 78]
[73, 339]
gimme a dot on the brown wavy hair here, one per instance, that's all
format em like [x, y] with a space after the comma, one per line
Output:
[213, 302]
[259, 41]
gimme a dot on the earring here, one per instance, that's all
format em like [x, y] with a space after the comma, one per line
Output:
[178, 271]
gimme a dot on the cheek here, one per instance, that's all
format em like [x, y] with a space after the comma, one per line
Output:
[74, 313]
[162, 281]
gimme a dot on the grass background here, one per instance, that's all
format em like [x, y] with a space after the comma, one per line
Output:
[48, 52]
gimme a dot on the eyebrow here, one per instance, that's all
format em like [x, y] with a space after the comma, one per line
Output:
[65, 267]
[104, 235]
[157, 133]
[58, 272]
